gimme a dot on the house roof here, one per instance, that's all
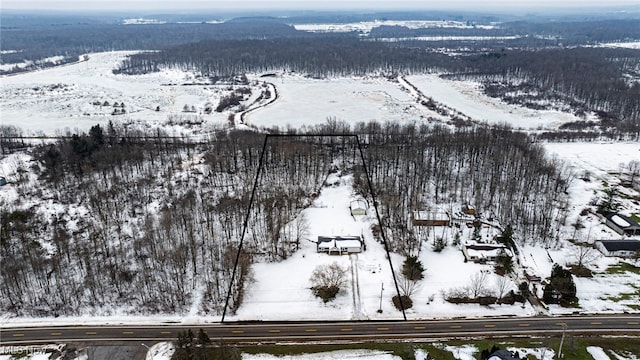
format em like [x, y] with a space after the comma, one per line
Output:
[323, 239]
[430, 215]
[335, 243]
[620, 245]
[502, 355]
[485, 247]
[358, 204]
[624, 222]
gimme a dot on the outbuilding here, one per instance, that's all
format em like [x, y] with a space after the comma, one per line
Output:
[430, 218]
[358, 207]
[619, 248]
[622, 224]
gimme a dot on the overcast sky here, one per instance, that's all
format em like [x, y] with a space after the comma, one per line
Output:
[155, 5]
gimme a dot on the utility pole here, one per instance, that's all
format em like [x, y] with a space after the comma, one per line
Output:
[381, 290]
[564, 329]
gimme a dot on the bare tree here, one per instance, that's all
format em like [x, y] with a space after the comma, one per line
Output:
[478, 284]
[328, 280]
[408, 287]
[585, 255]
[502, 286]
[634, 171]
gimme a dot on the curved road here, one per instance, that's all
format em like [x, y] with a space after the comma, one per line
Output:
[323, 331]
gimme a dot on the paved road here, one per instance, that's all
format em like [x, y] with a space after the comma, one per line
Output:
[245, 332]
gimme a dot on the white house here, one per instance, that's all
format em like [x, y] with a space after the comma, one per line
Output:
[620, 248]
[482, 253]
[339, 245]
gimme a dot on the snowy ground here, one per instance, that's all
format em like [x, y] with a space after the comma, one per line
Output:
[468, 98]
[331, 355]
[281, 291]
[600, 163]
[51, 100]
[365, 27]
[307, 102]
[61, 99]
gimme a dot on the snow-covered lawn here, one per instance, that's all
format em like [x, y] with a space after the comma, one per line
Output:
[160, 351]
[281, 291]
[596, 165]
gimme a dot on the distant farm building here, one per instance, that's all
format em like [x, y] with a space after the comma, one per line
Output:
[620, 248]
[358, 207]
[482, 253]
[339, 245]
[430, 218]
[623, 225]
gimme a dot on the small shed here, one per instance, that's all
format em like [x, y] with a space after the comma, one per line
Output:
[620, 248]
[623, 225]
[339, 245]
[430, 218]
[358, 207]
[3, 181]
[468, 209]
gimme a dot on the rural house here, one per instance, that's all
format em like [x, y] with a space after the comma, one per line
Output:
[481, 253]
[623, 225]
[436, 217]
[338, 245]
[621, 248]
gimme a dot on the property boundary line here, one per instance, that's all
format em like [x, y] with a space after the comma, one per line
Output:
[253, 192]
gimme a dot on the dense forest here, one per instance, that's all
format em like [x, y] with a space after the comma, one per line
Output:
[149, 222]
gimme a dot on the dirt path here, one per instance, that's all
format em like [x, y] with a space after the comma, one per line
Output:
[355, 289]
[273, 99]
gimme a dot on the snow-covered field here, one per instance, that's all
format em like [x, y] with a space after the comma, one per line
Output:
[331, 355]
[281, 291]
[468, 98]
[308, 102]
[62, 98]
[365, 27]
